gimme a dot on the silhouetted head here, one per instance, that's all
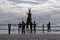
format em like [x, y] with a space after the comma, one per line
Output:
[23, 22]
[48, 22]
[29, 9]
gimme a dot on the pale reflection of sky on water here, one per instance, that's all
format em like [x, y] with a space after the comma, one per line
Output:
[37, 32]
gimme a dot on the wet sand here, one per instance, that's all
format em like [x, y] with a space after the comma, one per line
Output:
[30, 37]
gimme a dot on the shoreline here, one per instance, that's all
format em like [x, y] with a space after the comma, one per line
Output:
[30, 37]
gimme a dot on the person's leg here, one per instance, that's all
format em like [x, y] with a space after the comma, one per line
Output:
[34, 31]
[22, 31]
[48, 29]
[30, 29]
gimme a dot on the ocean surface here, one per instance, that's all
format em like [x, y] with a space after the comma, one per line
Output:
[4, 30]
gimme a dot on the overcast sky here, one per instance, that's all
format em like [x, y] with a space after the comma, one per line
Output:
[42, 10]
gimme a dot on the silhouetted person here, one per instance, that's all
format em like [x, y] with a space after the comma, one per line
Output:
[31, 28]
[29, 20]
[49, 28]
[34, 27]
[23, 27]
[43, 28]
[19, 26]
[9, 28]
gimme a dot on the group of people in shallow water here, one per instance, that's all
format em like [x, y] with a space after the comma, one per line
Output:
[23, 26]
[26, 26]
[48, 27]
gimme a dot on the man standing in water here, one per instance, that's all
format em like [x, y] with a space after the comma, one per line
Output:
[34, 27]
[9, 28]
[23, 27]
[49, 28]
[43, 28]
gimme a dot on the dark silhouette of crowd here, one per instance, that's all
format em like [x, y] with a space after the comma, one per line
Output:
[32, 26]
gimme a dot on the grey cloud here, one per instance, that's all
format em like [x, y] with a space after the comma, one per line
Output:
[16, 7]
[57, 6]
[31, 0]
[14, 0]
[28, 2]
[42, 0]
